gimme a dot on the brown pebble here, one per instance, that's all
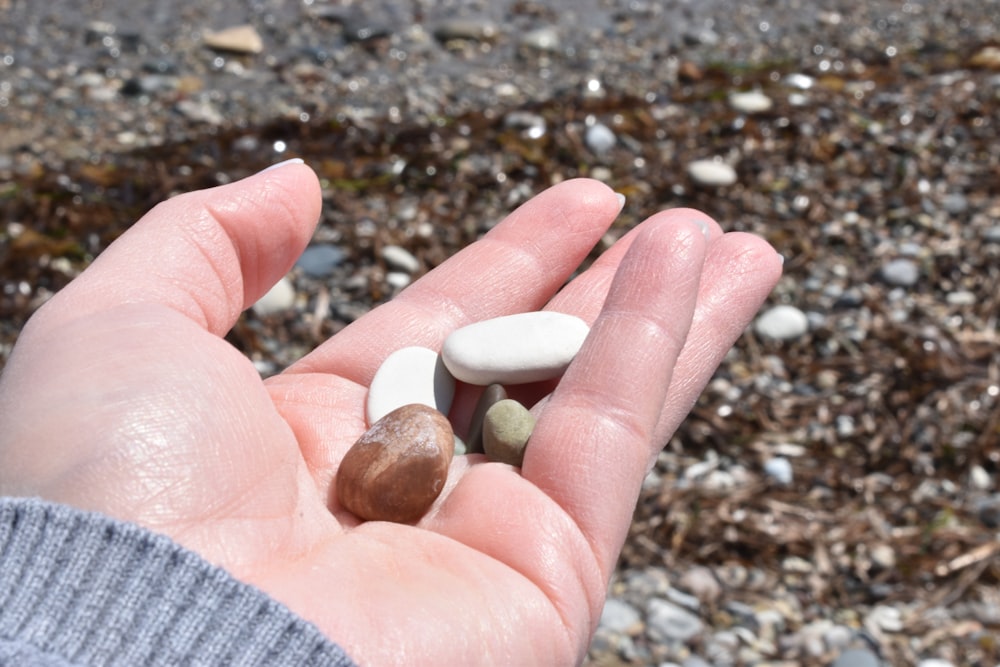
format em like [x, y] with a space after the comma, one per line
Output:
[398, 467]
[493, 393]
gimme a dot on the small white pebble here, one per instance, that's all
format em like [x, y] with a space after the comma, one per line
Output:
[397, 279]
[979, 479]
[884, 556]
[600, 138]
[279, 298]
[712, 173]
[400, 258]
[782, 323]
[961, 298]
[779, 469]
[752, 101]
[885, 618]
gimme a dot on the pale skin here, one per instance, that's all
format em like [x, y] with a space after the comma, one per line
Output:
[122, 397]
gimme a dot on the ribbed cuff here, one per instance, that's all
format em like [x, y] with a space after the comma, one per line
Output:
[93, 591]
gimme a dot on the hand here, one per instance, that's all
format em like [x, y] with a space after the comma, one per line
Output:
[122, 397]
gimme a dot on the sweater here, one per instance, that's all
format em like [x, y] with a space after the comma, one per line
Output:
[78, 589]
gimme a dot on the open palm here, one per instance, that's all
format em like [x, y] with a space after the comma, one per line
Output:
[122, 397]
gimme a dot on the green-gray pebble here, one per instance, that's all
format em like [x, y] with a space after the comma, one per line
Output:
[493, 394]
[506, 429]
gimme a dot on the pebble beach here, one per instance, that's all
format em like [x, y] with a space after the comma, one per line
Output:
[833, 499]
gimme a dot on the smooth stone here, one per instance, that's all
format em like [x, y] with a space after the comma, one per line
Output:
[856, 657]
[410, 375]
[200, 111]
[545, 40]
[400, 259]
[683, 599]
[397, 279]
[703, 36]
[702, 583]
[782, 323]
[711, 173]
[359, 27]
[531, 125]
[883, 556]
[238, 39]
[319, 260]
[988, 57]
[799, 81]
[838, 637]
[779, 469]
[621, 617]
[885, 618]
[514, 349]
[278, 299]
[695, 661]
[979, 478]
[752, 101]
[398, 467]
[506, 429]
[467, 29]
[901, 273]
[961, 298]
[493, 393]
[600, 138]
[955, 203]
[667, 622]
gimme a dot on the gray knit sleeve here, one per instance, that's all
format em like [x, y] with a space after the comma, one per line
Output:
[79, 589]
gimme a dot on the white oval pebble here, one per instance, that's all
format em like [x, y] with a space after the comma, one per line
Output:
[780, 469]
[542, 39]
[782, 323]
[400, 258]
[712, 172]
[527, 347]
[599, 138]
[279, 298]
[410, 375]
[901, 273]
[397, 279]
[752, 101]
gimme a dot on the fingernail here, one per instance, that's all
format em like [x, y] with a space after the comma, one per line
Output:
[294, 160]
[621, 201]
[782, 258]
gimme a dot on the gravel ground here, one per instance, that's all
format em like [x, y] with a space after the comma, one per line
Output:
[832, 500]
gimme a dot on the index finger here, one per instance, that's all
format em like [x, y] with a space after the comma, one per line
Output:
[516, 267]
